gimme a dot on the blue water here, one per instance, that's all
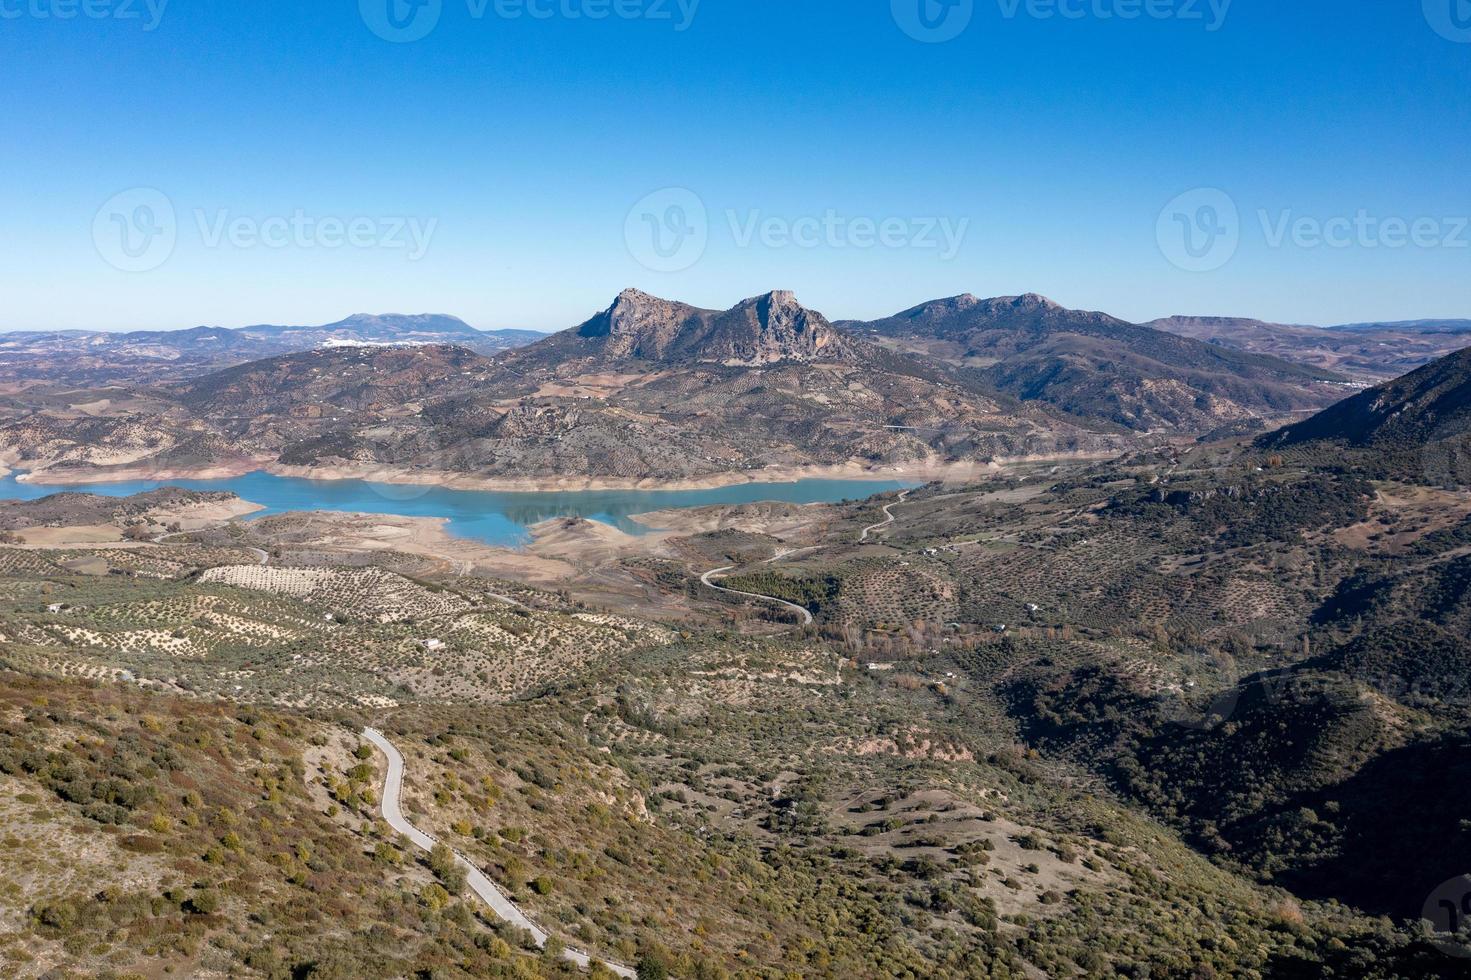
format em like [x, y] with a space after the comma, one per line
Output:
[494, 518]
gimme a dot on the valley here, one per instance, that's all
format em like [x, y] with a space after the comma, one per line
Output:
[897, 491]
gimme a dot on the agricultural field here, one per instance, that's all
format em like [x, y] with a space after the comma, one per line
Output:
[302, 637]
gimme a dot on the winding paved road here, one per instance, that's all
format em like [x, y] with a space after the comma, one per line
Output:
[800, 611]
[888, 514]
[482, 886]
[705, 579]
[262, 556]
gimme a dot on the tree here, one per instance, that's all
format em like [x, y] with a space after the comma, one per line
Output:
[442, 862]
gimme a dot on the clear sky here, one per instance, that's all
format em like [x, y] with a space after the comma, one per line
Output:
[281, 161]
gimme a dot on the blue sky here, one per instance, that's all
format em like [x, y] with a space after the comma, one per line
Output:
[512, 169]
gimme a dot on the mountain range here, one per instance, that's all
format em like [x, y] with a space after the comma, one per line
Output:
[652, 390]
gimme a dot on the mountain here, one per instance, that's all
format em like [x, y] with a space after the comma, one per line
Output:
[1097, 366]
[94, 358]
[764, 330]
[654, 387]
[1417, 427]
[394, 328]
[370, 327]
[646, 390]
[1367, 352]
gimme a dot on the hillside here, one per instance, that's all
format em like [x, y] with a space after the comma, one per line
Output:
[1096, 366]
[346, 379]
[720, 797]
[1416, 428]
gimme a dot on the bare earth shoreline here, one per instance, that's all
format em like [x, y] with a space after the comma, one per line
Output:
[920, 471]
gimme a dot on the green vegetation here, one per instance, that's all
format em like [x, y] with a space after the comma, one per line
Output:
[1155, 717]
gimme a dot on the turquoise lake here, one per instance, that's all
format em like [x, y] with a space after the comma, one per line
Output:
[494, 518]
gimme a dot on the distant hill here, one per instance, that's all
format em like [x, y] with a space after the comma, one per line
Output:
[1369, 352]
[395, 328]
[1416, 326]
[1417, 427]
[1098, 366]
[650, 389]
[95, 358]
[367, 326]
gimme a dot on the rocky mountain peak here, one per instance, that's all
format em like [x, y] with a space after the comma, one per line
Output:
[639, 325]
[761, 330]
[775, 327]
[1027, 302]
